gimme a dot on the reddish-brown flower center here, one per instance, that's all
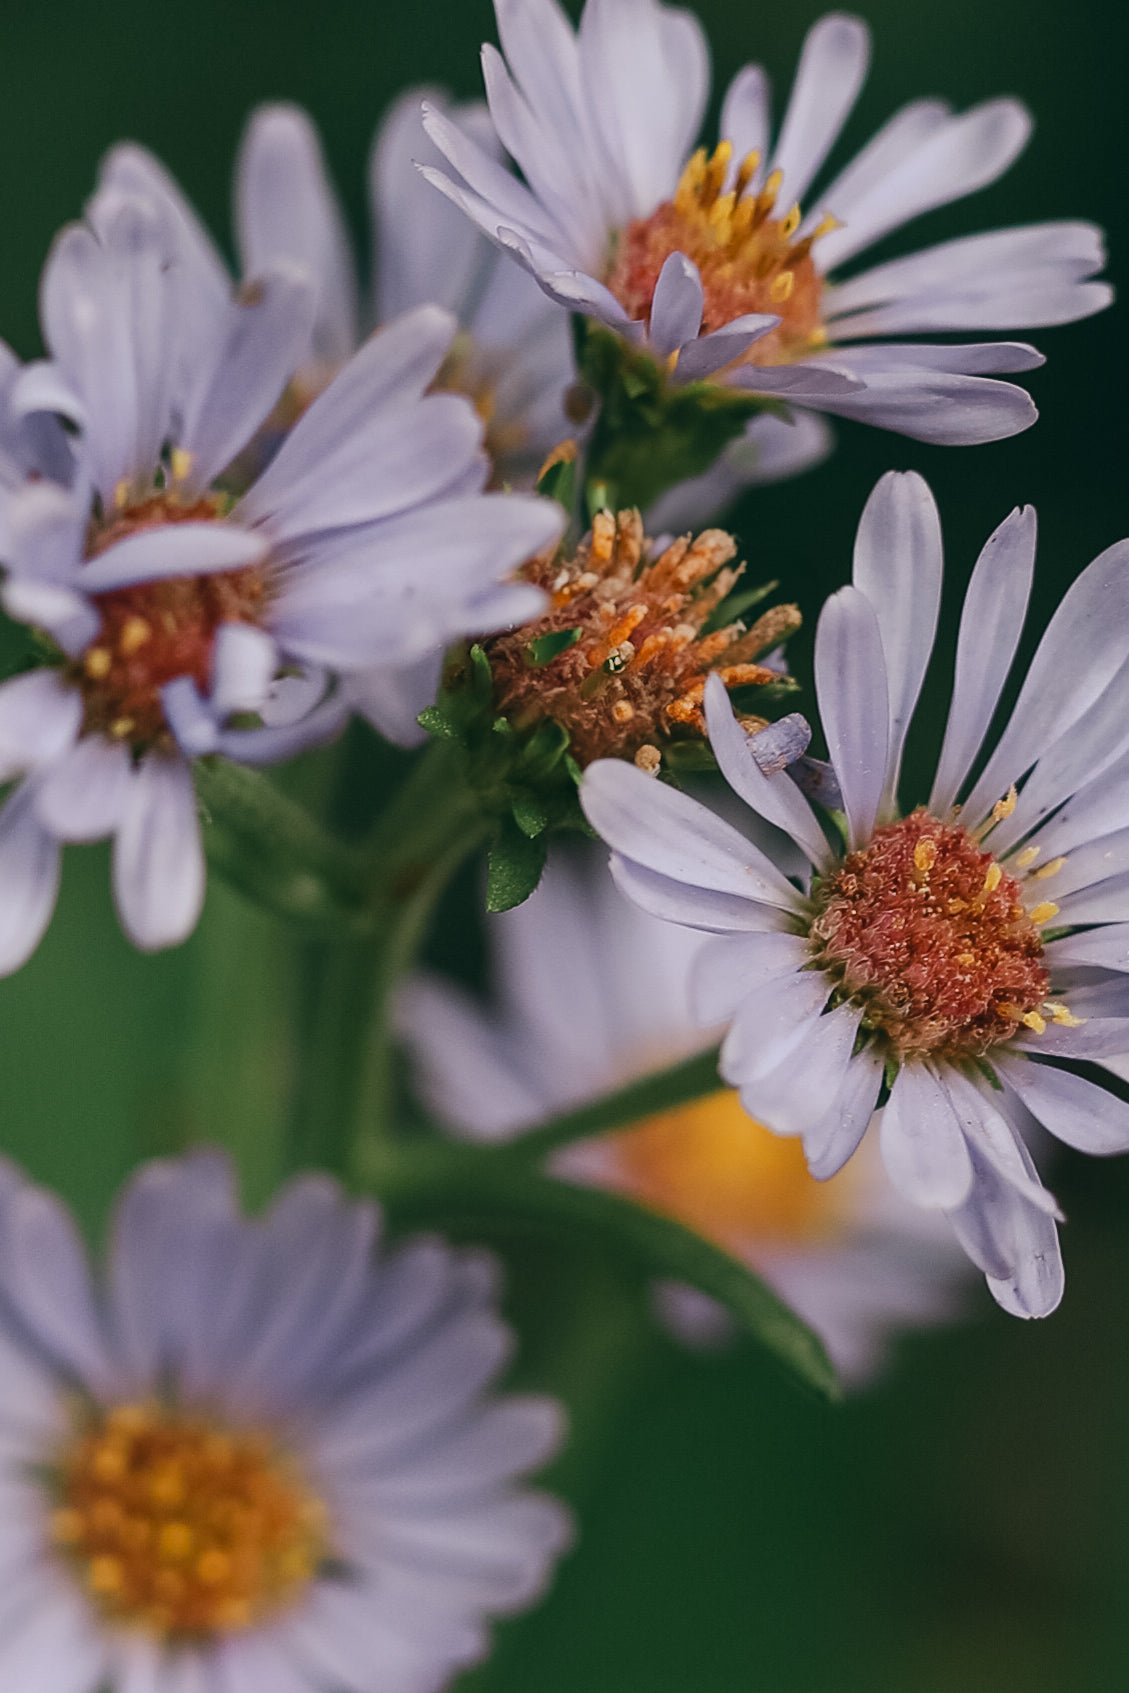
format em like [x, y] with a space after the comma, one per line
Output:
[153, 632]
[931, 936]
[747, 256]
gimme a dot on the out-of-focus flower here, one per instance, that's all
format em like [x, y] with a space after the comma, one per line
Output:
[591, 992]
[945, 959]
[186, 621]
[707, 261]
[255, 1454]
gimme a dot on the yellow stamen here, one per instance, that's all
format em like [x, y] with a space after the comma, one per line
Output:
[782, 286]
[97, 663]
[1004, 807]
[180, 462]
[1044, 912]
[135, 632]
[1034, 1022]
[1027, 857]
[1049, 869]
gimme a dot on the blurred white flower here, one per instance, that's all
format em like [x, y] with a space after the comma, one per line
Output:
[591, 992]
[255, 1454]
[914, 955]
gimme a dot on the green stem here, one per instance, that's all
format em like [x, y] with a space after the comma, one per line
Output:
[346, 1075]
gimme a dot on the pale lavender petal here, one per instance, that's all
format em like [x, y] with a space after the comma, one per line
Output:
[946, 408]
[173, 549]
[676, 309]
[800, 1093]
[850, 679]
[775, 798]
[897, 566]
[836, 1137]
[745, 116]
[29, 879]
[710, 353]
[39, 719]
[727, 969]
[698, 908]
[663, 830]
[286, 208]
[831, 72]
[899, 136]
[771, 1022]
[1074, 1110]
[47, 1283]
[158, 859]
[82, 796]
[923, 1148]
[244, 660]
[990, 626]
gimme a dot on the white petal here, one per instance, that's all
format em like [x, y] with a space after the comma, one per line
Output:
[830, 74]
[286, 208]
[990, 625]
[244, 660]
[1056, 690]
[676, 309]
[771, 1022]
[850, 680]
[47, 1280]
[663, 830]
[1013, 1241]
[39, 719]
[158, 859]
[726, 970]
[808, 1084]
[899, 136]
[1107, 948]
[697, 908]
[745, 117]
[923, 1147]
[897, 566]
[29, 879]
[995, 1140]
[775, 798]
[82, 796]
[835, 1137]
[948, 409]
[172, 549]
[1072, 1109]
[955, 159]
[709, 353]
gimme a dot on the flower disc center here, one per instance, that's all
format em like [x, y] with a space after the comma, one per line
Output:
[747, 256]
[183, 1527]
[153, 632]
[931, 936]
[712, 1167]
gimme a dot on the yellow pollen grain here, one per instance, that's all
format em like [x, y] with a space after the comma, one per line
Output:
[122, 494]
[791, 223]
[647, 759]
[136, 631]
[1044, 912]
[121, 727]
[993, 876]
[1027, 857]
[181, 463]
[968, 959]
[98, 663]
[1034, 1022]
[924, 856]
[782, 287]
[1051, 868]
[1060, 1015]
[1004, 807]
[623, 711]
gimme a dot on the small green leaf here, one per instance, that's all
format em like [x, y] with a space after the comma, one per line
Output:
[890, 1071]
[547, 647]
[482, 677]
[530, 815]
[514, 868]
[559, 483]
[573, 768]
[438, 723]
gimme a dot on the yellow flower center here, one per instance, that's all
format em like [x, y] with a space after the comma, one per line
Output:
[747, 256]
[182, 1527]
[710, 1166]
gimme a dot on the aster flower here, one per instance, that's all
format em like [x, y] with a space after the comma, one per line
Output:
[707, 261]
[255, 1454]
[187, 622]
[947, 959]
[591, 992]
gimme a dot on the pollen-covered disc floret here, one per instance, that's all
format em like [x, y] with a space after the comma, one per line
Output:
[931, 937]
[154, 632]
[745, 248]
[182, 1526]
[622, 657]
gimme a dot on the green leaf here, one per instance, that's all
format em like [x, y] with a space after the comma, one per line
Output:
[559, 483]
[432, 1183]
[530, 815]
[547, 647]
[439, 723]
[514, 869]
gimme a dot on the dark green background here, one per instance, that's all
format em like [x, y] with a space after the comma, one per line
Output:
[963, 1527]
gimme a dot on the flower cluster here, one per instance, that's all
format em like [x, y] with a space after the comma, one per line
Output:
[471, 508]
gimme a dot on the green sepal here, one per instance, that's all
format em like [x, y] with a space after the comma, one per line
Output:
[559, 483]
[890, 1071]
[989, 1074]
[651, 433]
[514, 867]
[549, 646]
[530, 814]
[735, 606]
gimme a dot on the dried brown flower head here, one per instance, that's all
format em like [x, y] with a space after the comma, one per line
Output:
[621, 658]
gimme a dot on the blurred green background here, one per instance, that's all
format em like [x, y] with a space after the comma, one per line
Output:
[963, 1527]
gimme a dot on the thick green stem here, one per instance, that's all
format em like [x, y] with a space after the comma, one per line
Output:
[346, 1079]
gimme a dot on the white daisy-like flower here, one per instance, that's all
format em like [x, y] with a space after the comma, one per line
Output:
[590, 993]
[255, 1454]
[708, 261]
[511, 355]
[914, 955]
[188, 621]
